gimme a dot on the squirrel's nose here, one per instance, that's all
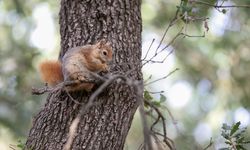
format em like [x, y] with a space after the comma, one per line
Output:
[107, 69]
[109, 63]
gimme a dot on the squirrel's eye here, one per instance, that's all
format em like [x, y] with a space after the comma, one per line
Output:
[104, 53]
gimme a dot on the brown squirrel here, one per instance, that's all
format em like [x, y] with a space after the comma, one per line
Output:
[77, 65]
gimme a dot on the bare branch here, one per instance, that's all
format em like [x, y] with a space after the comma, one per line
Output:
[158, 92]
[159, 144]
[67, 83]
[172, 22]
[158, 52]
[163, 60]
[187, 35]
[148, 49]
[218, 6]
[71, 98]
[167, 140]
[160, 116]
[72, 132]
[170, 73]
[98, 91]
[12, 147]
[209, 145]
[40, 91]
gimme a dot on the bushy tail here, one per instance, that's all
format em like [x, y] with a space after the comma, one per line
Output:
[51, 72]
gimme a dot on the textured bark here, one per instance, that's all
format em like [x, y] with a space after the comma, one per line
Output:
[106, 124]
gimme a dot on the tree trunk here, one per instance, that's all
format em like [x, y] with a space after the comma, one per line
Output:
[106, 123]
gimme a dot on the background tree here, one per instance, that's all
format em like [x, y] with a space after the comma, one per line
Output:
[203, 93]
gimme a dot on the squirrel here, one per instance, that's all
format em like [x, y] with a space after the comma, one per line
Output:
[77, 65]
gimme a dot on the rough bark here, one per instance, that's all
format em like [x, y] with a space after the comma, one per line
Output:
[106, 124]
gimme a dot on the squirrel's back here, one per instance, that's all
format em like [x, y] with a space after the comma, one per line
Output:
[51, 72]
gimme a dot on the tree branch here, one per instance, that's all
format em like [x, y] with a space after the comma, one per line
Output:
[170, 73]
[218, 6]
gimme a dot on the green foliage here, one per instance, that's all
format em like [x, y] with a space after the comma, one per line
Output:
[21, 145]
[162, 98]
[224, 11]
[147, 96]
[158, 103]
[234, 137]
[184, 7]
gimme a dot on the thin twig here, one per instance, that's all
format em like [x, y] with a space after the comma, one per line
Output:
[163, 60]
[71, 98]
[97, 92]
[209, 145]
[40, 91]
[167, 140]
[160, 145]
[218, 6]
[162, 78]
[160, 116]
[187, 35]
[12, 147]
[72, 131]
[148, 49]
[172, 22]
[158, 92]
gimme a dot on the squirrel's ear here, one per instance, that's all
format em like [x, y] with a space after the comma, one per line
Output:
[108, 44]
[101, 43]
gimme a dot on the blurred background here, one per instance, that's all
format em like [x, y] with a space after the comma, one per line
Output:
[211, 87]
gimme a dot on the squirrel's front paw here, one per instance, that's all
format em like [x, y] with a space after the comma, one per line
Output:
[81, 78]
